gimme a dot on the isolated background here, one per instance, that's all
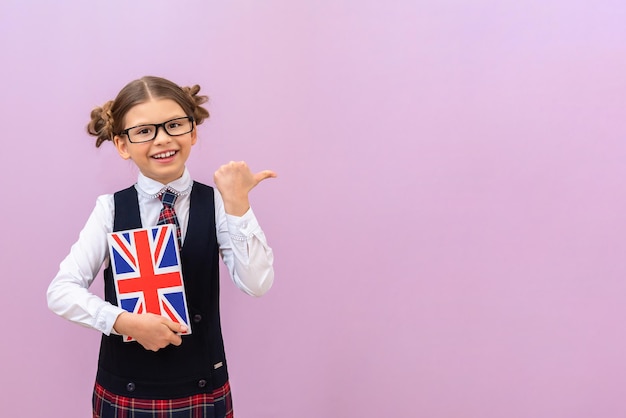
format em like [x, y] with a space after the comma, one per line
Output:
[448, 221]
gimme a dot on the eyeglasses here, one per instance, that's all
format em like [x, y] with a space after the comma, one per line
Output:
[145, 133]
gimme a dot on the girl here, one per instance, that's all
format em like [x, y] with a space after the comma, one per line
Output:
[152, 122]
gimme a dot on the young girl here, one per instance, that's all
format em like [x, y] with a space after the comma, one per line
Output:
[152, 122]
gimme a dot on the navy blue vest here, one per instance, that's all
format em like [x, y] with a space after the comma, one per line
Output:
[198, 365]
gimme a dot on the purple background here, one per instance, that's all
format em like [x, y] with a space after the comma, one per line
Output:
[447, 221]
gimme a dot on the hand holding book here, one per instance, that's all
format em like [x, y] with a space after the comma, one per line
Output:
[152, 331]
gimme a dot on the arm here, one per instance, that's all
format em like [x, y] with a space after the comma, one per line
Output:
[242, 243]
[68, 293]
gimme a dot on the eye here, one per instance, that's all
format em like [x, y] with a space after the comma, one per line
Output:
[142, 130]
[173, 125]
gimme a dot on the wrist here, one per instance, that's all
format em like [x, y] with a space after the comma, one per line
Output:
[237, 207]
[123, 323]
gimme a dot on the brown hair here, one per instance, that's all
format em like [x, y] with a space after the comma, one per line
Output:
[107, 121]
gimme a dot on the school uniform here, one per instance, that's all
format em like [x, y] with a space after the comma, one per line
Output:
[190, 380]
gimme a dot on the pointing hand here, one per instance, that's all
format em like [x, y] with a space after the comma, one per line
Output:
[234, 181]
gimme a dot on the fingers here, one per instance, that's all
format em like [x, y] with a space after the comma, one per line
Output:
[242, 167]
[155, 332]
[176, 339]
[239, 166]
[236, 175]
[174, 326]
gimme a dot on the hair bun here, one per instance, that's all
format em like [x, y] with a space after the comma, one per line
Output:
[101, 123]
[199, 113]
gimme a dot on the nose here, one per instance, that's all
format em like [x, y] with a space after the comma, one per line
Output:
[161, 135]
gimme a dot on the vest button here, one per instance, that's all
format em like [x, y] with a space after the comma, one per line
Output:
[130, 387]
[201, 383]
[197, 318]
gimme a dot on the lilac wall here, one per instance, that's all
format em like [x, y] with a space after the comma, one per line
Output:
[447, 221]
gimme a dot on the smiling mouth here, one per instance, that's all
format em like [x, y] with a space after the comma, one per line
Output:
[165, 154]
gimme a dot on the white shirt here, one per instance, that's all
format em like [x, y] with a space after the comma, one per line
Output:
[241, 241]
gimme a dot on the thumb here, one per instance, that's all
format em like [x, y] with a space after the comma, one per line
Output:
[262, 175]
[175, 326]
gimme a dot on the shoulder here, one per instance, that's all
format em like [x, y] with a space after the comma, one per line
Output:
[132, 190]
[198, 185]
[208, 192]
[204, 191]
[102, 214]
[105, 201]
[105, 204]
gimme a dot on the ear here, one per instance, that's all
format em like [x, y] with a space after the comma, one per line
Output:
[194, 135]
[121, 144]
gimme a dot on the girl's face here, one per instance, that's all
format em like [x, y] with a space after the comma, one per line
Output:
[162, 159]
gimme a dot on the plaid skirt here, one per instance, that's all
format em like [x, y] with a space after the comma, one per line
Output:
[217, 404]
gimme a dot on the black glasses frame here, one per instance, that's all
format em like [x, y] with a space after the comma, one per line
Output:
[156, 129]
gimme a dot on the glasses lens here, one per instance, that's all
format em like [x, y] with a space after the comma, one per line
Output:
[178, 126]
[141, 133]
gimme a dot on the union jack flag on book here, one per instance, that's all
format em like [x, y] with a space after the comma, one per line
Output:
[147, 273]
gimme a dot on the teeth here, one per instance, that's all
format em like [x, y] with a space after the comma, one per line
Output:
[164, 154]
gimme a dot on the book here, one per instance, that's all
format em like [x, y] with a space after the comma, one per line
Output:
[147, 273]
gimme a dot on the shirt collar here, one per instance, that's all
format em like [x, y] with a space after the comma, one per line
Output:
[152, 188]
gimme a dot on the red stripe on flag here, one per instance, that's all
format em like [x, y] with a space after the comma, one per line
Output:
[121, 244]
[163, 232]
[169, 312]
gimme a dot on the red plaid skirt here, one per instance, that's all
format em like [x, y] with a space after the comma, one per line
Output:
[217, 404]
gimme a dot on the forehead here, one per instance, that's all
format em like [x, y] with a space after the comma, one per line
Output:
[153, 111]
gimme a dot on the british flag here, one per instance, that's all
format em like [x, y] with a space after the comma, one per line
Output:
[147, 273]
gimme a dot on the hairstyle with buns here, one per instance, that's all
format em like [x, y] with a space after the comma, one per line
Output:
[108, 120]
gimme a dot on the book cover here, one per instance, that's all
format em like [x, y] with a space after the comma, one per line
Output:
[147, 273]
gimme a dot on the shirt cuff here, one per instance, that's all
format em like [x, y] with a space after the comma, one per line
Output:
[242, 227]
[105, 319]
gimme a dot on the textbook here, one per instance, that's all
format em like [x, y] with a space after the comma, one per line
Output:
[147, 273]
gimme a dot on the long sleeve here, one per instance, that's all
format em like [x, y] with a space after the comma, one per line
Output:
[244, 250]
[68, 293]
